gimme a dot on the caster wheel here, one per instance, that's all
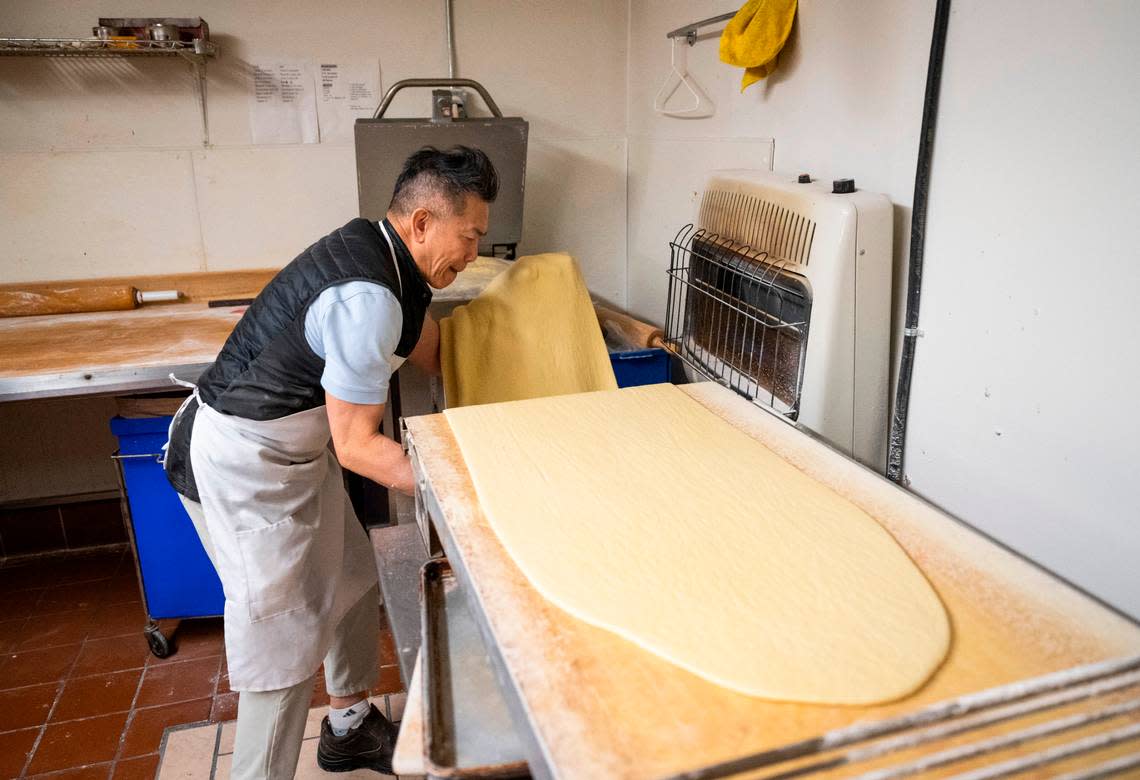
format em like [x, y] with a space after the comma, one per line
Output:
[159, 644]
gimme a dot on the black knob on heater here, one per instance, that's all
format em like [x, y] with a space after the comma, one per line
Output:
[805, 178]
[843, 186]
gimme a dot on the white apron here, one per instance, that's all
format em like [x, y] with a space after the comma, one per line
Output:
[290, 553]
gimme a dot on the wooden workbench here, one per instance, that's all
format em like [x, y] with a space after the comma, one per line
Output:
[598, 706]
[132, 351]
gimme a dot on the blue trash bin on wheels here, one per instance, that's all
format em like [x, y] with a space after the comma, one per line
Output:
[176, 577]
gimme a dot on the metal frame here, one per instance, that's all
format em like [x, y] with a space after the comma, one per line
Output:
[689, 31]
[976, 711]
[452, 83]
[96, 381]
[193, 51]
[730, 307]
[449, 728]
[128, 520]
[400, 553]
[539, 762]
[160, 643]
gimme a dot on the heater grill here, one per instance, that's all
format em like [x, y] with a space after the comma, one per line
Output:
[736, 315]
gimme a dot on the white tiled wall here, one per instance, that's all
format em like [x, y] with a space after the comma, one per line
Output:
[103, 171]
[115, 147]
[83, 214]
[576, 202]
[259, 205]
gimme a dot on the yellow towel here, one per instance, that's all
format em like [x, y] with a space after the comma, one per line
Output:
[532, 332]
[754, 37]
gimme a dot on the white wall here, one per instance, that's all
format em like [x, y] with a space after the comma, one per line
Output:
[846, 101]
[1023, 416]
[104, 172]
[113, 148]
[1024, 403]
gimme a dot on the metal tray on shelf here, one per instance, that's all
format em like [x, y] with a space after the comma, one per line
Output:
[468, 732]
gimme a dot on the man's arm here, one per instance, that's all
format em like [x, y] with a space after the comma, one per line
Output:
[360, 447]
[425, 356]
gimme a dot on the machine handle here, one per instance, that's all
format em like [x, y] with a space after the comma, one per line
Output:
[475, 85]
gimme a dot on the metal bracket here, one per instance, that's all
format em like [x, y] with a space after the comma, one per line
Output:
[156, 455]
[198, 66]
[689, 31]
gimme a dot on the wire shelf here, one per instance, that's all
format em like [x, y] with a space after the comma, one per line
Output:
[738, 316]
[100, 47]
[195, 51]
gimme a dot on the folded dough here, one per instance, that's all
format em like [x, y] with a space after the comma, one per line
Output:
[532, 332]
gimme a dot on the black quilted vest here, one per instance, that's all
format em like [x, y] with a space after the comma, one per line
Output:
[266, 369]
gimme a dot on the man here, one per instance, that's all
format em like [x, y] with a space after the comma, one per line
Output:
[249, 453]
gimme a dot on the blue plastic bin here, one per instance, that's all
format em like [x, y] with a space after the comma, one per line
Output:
[178, 580]
[640, 367]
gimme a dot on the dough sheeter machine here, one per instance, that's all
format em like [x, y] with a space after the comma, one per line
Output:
[1042, 680]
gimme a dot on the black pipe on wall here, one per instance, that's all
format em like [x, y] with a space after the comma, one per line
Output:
[897, 442]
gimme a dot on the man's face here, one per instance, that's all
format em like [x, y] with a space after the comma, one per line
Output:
[445, 243]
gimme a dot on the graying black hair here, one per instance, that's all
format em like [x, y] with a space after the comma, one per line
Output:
[450, 174]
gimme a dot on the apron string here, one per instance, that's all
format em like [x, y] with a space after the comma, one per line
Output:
[395, 262]
[183, 383]
[174, 420]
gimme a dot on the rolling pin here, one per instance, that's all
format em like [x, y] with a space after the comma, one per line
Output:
[72, 300]
[627, 330]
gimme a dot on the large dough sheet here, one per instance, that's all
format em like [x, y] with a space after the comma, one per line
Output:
[532, 332]
[642, 512]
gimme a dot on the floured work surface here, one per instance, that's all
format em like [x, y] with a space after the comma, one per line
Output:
[73, 354]
[116, 351]
[641, 511]
[599, 706]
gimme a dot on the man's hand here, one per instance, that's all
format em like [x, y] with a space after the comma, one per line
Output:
[360, 447]
[426, 354]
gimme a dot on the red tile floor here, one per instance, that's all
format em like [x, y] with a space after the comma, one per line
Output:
[81, 696]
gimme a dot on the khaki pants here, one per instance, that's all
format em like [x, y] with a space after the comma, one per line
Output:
[271, 724]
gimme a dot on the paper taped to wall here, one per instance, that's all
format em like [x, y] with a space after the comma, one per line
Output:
[345, 92]
[282, 105]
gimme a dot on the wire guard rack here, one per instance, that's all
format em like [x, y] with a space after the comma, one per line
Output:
[88, 47]
[738, 316]
[1075, 724]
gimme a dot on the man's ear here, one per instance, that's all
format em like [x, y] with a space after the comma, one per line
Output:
[420, 219]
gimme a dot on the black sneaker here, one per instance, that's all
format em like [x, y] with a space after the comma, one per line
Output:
[368, 746]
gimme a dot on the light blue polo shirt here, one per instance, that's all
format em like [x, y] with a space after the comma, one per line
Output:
[355, 327]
